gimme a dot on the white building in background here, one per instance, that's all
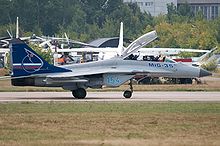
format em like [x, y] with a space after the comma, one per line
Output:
[209, 8]
[154, 7]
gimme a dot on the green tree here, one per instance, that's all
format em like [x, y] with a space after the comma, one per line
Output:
[45, 54]
[185, 10]
[171, 12]
[85, 20]
[198, 35]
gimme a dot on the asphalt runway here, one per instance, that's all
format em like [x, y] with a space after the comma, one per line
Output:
[110, 97]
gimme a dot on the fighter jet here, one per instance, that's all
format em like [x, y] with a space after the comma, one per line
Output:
[30, 69]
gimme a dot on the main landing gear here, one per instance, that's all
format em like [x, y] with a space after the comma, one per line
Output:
[79, 93]
[128, 93]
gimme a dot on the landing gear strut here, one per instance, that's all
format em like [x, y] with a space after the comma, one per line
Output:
[128, 93]
[79, 93]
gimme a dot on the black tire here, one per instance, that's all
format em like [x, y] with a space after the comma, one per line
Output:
[127, 94]
[74, 93]
[80, 93]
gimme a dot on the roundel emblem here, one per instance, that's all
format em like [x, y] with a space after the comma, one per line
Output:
[31, 62]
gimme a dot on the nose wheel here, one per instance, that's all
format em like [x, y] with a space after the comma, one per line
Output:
[128, 93]
[79, 93]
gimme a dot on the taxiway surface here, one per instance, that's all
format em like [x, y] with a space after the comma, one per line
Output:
[110, 97]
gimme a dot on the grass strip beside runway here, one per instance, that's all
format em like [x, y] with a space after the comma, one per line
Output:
[132, 123]
[174, 87]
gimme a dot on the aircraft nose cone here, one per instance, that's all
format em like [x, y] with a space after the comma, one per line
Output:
[204, 73]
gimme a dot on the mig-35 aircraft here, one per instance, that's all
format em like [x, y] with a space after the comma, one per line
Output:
[30, 69]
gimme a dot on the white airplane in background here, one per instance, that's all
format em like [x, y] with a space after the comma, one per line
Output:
[173, 54]
[49, 42]
[40, 40]
[169, 51]
[198, 61]
[109, 52]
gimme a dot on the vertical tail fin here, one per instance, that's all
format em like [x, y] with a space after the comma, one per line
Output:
[121, 39]
[205, 58]
[25, 61]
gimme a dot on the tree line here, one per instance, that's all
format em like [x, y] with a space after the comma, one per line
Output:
[86, 20]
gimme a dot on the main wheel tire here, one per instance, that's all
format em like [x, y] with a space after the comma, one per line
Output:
[80, 93]
[127, 94]
[74, 93]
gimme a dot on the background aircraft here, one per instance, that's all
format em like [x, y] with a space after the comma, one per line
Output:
[42, 41]
[109, 52]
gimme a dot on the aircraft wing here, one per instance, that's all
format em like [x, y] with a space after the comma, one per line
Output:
[122, 74]
[88, 50]
[68, 41]
[79, 76]
[169, 51]
[95, 71]
[25, 38]
[81, 43]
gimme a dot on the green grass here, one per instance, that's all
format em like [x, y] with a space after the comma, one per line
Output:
[90, 123]
[121, 88]
[91, 107]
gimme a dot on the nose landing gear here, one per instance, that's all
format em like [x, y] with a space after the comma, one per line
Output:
[128, 93]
